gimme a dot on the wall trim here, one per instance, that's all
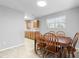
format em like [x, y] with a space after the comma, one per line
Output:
[12, 47]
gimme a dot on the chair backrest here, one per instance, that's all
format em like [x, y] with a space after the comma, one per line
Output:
[52, 32]
[51, 40]
[38, 37]
[75, 39]
[50, 37]
[60, 33]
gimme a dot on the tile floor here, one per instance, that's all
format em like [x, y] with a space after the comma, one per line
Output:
[25, 51]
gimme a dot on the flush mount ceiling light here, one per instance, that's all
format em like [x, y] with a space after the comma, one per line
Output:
[41, 3]
[25, 17]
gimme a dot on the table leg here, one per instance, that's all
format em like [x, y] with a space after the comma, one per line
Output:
[61, 52]
[35, 46]
[65, 52]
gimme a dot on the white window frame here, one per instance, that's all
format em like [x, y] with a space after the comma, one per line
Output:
[57, 22]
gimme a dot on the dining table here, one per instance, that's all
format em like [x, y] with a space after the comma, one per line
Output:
[63, 41]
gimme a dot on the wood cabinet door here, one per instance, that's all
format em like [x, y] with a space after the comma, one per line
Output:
[36, 24]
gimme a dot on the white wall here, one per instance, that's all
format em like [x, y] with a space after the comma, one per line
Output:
[72, 22]
[11, 27]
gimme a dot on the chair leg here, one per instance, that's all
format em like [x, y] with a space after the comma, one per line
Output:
[73, 55]
[35, 46]
[65, 53]
[55, 55]
[68, 54]
[60, 55]
[45, 54]
[42, 52]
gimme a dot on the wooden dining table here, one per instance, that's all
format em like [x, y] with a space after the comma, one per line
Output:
[63, 41]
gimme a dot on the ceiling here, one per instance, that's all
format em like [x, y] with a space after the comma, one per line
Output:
[29, 7]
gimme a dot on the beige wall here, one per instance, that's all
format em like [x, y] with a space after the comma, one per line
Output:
[11, 27]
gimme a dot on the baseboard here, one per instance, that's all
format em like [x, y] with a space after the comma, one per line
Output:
[12, 47]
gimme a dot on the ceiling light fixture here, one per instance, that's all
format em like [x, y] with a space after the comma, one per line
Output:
[25, 17]
[41, 3]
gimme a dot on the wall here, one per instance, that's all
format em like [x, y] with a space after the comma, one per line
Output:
[72, 22]
[11, 27]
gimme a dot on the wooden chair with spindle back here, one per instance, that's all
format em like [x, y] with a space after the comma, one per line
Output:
[60, 33]
[39, 43]
[51, 45]
[53, 32]
[71, 49]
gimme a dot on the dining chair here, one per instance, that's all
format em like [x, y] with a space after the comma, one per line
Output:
[71, 49]
[39, 43]
[51, 45]
[52, 32]
[60, 33]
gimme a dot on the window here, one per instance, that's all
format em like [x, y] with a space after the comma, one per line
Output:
[58, 22]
